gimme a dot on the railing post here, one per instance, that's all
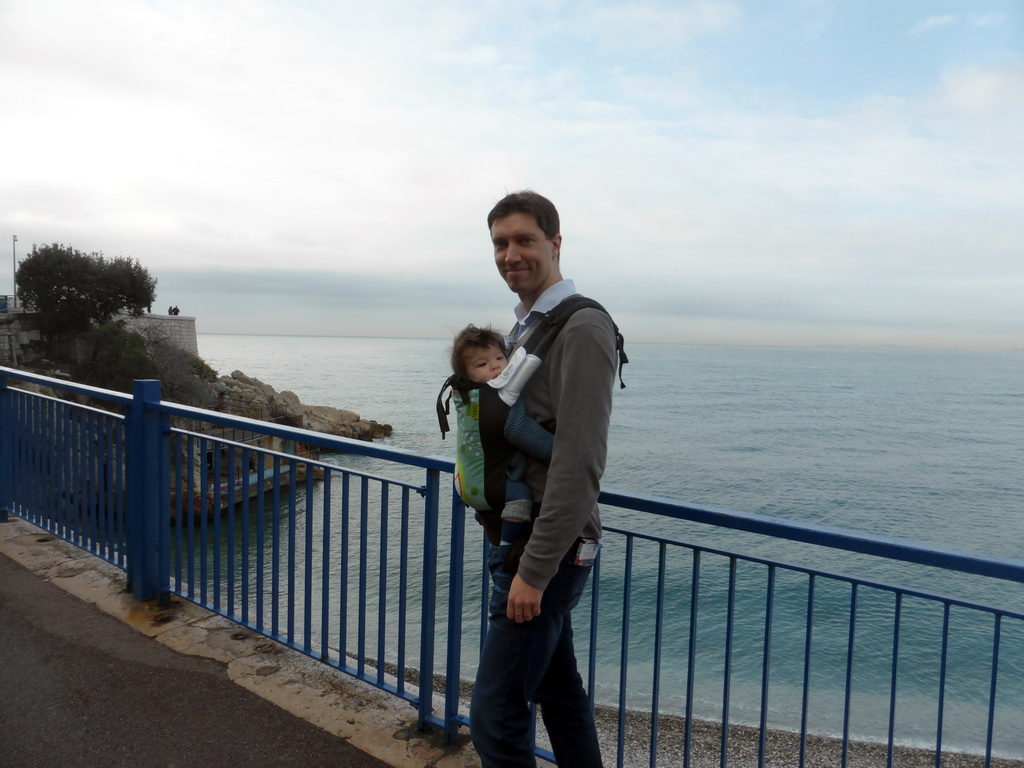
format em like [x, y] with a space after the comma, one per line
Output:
[429, 607]
[6, 452]
[453, 667]
[143, 477]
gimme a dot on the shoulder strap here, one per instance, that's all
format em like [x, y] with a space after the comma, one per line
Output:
[454, 384]
[538, 342]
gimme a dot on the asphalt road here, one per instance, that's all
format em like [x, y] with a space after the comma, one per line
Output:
[80, 688]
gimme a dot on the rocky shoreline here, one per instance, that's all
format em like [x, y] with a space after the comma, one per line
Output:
[241, 395]
[782, 748]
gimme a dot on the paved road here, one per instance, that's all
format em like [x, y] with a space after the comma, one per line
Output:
[80, 688]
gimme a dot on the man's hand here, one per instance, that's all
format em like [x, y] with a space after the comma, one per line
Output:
[523, 601]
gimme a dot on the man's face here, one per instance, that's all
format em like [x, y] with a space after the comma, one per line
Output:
[526, 259]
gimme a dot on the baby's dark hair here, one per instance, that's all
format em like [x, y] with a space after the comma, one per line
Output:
[473, 337]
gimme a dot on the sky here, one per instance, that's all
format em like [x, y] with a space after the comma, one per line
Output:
[800, 172]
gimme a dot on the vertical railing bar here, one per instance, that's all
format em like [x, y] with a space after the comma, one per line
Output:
[103, 487]
[204, 497]
[46, 500]
[806, 692]
[90, 479]
[453, 662]
[32, 473]
[659, 616]
[111, 486]
[82, 493]
[627, 587]
[92, 500]
[343, 581]
[261, 524]
[230, 532]
[944, 660]
[382, 582]
[52, 509]
[122, 472]
[57, 513]
[595, 594]
[997, 636]
[78, 508]
[428, 607]
[62, 524]
[292, 548]
[246, 533]
[403, 590]
[307, 623]
[163, 507]
[179, 523]
[892, 678]
[325, 572]
[15, 433]
[730, 625]
[217, 509]
[193, 499]
[485, 585]
[47, 489]
[691, 658]
[364, 540]
[769, 613]
[275, 555]
[849, 675]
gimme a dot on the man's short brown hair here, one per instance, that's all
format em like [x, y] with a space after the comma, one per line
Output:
[527, 201]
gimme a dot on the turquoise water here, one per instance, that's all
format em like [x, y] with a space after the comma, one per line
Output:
[914, 444]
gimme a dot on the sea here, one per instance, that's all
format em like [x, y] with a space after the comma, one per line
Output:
[916, 444]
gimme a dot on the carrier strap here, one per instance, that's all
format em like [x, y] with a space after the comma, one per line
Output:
[538, 342]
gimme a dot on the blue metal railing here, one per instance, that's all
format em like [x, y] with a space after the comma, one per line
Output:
[717, 628]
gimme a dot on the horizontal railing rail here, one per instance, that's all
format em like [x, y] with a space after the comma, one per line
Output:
[709, 634]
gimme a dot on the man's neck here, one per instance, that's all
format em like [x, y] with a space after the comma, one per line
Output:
[547, 300]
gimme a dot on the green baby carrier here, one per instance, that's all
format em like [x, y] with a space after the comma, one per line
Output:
[488, 438]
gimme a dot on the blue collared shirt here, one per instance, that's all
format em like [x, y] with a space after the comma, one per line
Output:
[547, 301]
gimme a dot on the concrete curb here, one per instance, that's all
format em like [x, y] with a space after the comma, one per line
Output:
[371, 720]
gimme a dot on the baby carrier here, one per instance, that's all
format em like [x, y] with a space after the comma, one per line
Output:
[488, 438]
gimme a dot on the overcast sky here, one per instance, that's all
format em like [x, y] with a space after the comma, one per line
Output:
[748, 172]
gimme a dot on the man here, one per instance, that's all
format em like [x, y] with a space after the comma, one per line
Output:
[528, 655]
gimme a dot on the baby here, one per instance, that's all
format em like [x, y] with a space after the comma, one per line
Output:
[480, 354]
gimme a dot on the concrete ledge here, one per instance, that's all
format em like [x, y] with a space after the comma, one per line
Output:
[375, 722]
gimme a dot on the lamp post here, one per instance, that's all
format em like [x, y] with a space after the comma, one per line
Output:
[14, 275]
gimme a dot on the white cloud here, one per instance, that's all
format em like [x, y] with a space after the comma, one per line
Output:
[359, 141]
[988, 19]
[929, 23]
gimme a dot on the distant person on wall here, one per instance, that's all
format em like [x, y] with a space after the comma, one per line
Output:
[528, 655]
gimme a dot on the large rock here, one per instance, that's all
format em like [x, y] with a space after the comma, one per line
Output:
[243, 395]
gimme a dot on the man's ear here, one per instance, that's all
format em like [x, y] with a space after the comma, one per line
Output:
[556, 243]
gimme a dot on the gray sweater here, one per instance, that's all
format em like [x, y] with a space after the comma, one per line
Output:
[570, 395]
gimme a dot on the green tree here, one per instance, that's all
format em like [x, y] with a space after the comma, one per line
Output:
[72, 290]
[119, 356]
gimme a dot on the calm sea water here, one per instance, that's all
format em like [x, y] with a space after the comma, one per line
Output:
[915, 444]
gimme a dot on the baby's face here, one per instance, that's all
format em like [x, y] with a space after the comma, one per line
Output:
[483, 364]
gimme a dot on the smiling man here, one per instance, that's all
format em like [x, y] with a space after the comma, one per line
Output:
[528, 655]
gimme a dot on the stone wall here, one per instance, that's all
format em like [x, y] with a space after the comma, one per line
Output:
[179, 330]
[21, 342]
[20, 339]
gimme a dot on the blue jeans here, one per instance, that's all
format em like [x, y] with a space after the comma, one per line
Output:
[532, 662]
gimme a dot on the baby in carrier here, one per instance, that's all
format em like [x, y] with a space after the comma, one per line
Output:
[480, 355]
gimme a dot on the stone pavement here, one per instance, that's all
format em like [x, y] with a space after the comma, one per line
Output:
[89, 677]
